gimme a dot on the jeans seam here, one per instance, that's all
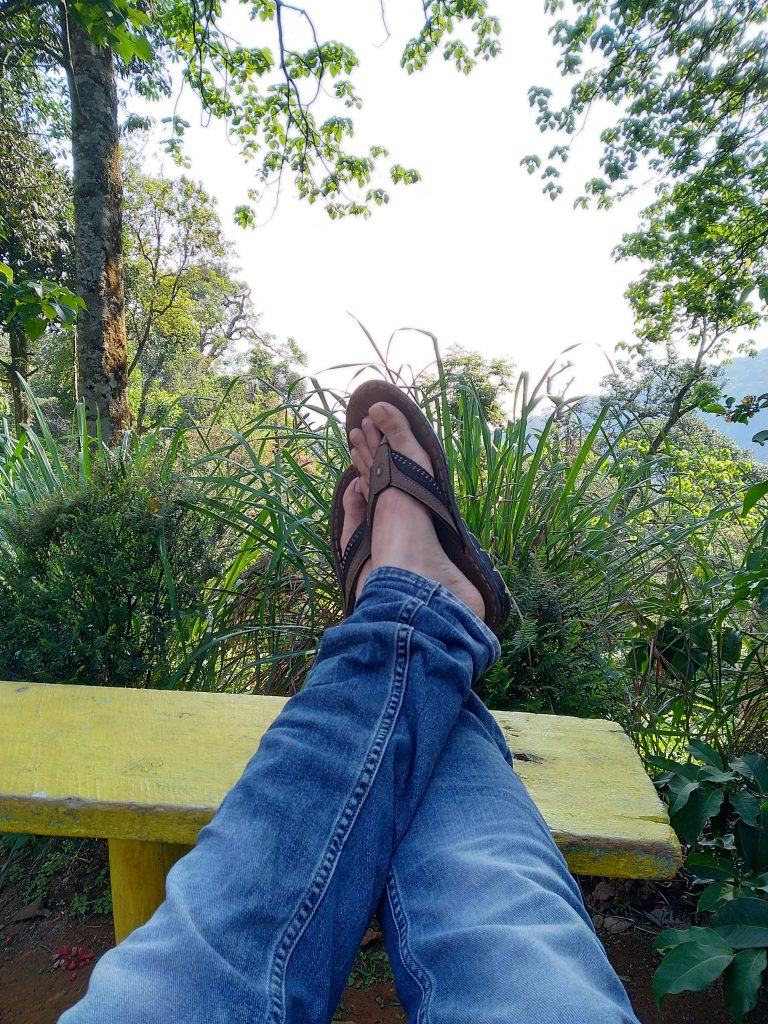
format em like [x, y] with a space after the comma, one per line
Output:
[346, 819]
[419, 973]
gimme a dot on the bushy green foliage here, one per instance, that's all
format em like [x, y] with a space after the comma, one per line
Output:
[84, 595]
[553, 654]
[720, 810]
[101, 558]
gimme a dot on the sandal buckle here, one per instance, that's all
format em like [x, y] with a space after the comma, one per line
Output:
[381, 469]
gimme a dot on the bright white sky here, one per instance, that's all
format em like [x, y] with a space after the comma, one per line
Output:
[474, 253]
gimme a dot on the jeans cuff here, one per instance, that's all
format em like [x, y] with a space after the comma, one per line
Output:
[439, 599]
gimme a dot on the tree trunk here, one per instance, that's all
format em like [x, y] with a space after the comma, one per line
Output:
[19, 368]
[102, 352]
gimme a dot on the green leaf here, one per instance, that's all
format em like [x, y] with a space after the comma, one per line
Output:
[754, 840]
[7, 273]
[692, 966]
[682, 784]
[742, 981]
[141, 48]
[700, 807]
[705, 867]
[743, 923]
[709, 774]
[745, 805]
[731, 647]
[753, 495]
[714, 895]
[704, 752]
[753, 767]
[35, 327]
[681, 796]
[672, 937]
[661, 762]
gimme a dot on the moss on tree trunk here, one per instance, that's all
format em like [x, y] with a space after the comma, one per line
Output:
[102, 353]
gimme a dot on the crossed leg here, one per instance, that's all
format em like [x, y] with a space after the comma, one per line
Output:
[483, 922]
[263, 918]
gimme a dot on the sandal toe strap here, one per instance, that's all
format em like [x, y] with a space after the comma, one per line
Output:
[391, 468]
[356, 554]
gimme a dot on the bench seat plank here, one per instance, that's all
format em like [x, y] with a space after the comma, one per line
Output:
[153, 765]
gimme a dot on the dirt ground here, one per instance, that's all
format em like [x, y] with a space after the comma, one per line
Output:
[33, 992]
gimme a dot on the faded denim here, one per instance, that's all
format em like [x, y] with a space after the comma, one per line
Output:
[384, 786]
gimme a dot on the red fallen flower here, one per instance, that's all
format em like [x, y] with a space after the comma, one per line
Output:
[73, 975]
[9, 938]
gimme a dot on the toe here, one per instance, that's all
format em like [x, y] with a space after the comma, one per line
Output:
[372, 435]
[395, 427]
[355, 508]
[361, 460]
[357, 438]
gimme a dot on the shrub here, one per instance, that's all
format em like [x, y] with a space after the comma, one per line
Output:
[552, 651]
[721, 812]
[98, 571]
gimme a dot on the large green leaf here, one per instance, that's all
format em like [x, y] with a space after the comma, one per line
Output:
[706, 867]
[753, 767]
[745, 805]
[743, 923]
[754, 841]
[742, 981]
[692, 966]
[679, 796]
[714, 895]
[709, 774]
[753, 495]
[705, 753]
[700, 807]
[673, 937]
[731, 646]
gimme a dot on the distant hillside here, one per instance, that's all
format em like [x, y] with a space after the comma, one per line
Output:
[745, 376]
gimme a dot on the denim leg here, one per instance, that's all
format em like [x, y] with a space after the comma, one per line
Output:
[483, 922]
[263, 918]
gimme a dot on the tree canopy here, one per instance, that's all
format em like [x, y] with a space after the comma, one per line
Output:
[287, 98]
[689, 84]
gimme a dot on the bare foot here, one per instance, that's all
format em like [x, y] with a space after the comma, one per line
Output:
[355, 511]
[403, 531]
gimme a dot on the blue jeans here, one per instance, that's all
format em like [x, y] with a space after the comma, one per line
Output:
[384, 786]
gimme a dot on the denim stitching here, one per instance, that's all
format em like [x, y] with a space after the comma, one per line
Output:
[411, 964]
[346, 820]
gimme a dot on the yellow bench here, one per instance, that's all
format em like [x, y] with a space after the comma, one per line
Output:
[146, 769]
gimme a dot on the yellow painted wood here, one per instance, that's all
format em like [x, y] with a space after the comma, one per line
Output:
[173, 852]
[137, 872]
[153, 765]
[137, 876]
[590, 785]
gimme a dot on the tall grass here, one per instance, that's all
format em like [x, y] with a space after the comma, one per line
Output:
[552, 487]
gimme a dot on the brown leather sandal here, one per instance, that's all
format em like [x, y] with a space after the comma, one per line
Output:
[393, 469]
[349, 562]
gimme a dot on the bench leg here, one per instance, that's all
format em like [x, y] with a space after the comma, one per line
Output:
[137, 872]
